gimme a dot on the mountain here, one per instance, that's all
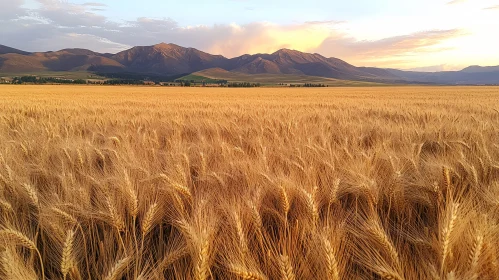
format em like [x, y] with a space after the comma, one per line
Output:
[480, 69]
[63, 60]
[473, 76]
[167, 59]
[5, 50]
[173, 60]
[287, 61]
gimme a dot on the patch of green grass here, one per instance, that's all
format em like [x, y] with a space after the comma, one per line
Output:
[279, 79]
[199, 79]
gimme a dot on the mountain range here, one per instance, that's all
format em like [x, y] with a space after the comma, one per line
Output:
[173, 60]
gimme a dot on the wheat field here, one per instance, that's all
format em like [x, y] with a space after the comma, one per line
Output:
[203, 183]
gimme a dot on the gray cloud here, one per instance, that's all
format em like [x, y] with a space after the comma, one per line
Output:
[11, 9]
[65, 14]
[75, 40]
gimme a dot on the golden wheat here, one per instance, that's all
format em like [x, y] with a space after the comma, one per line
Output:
[202, 183]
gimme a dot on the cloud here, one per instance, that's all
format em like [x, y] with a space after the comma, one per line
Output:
[11, 9]
[456, 2]
[57, 25]
[492, 8]
[84, 41]
[325, 22]
[436, 68]
[65, 14]
[385, 50]
[94, 4]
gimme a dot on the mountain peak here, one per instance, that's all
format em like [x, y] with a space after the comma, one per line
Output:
[286, 51]
[167, 46]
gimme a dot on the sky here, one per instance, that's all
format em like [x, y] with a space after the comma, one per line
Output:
[425, 35]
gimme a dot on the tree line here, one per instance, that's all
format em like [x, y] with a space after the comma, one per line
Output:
[243, 85]
[309, 85]
[47, 80]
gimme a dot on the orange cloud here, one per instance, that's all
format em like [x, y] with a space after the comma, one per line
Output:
[388, 50]
[267, 38]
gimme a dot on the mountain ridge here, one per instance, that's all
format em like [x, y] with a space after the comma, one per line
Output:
[171, 59]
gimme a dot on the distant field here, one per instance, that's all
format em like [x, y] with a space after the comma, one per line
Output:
[273, 79]
[101, 182]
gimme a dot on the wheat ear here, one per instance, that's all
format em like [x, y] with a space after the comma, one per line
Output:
[332, 264]
[246, 275]
[385, 241]
[17, 238]
[447, 231]
[447, 177]
[390, 276]
[284, 200]
[33, 195]
[240, 233]
[115, 218]
[149, 218]
[13, 267]
[68, 261]
[286, 268]
[202, 268]
[118, 269]
[69, 219]
[312, 207]
[474, 255]
[133, 201]
[334, 191]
